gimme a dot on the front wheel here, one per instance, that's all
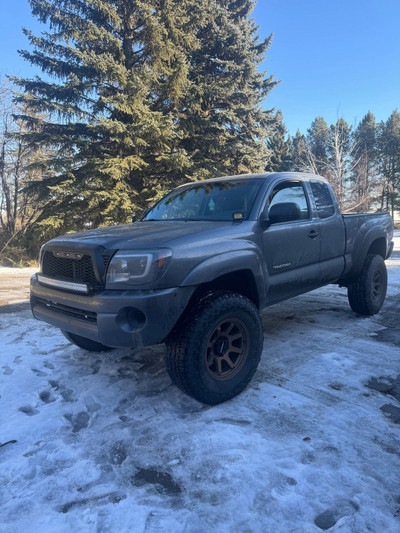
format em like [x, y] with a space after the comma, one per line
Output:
[216, 350]
[86, 344]
[368, 292]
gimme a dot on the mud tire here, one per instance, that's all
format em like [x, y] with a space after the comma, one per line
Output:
[215, 350]
[368, 292]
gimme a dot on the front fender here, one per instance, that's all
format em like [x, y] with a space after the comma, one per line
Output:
[228, 263]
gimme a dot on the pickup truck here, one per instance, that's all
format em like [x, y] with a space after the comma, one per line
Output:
[201, 264]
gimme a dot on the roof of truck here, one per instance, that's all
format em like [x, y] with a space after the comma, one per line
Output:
[304, 176]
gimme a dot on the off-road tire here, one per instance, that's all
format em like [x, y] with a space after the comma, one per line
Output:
[85, 344]
[215, 350]
[367, 293]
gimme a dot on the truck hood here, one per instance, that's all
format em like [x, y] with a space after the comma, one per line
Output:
[140, 235]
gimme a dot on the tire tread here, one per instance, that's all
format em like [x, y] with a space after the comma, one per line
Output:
[183, 337]
[358, 293]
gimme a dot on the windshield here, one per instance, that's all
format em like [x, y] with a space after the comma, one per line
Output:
[218, 200]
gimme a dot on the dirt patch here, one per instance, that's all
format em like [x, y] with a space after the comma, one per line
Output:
[389, 317]
[163, 482]
[388, 386]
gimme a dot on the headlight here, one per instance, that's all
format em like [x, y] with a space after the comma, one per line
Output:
[137, 267]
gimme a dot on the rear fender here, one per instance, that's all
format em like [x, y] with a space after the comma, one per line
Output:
[375, 241]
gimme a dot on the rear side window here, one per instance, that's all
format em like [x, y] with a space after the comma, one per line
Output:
[323, 199]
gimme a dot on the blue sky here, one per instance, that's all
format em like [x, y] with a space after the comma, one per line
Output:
[334, 57]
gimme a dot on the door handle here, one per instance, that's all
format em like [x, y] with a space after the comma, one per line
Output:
[313, 234]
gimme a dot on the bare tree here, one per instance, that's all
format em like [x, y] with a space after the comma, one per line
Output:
[18, 169]
[340, 162]
[330, 152]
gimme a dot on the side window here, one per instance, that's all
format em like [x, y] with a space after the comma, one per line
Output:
[287, 203]
[323, 199]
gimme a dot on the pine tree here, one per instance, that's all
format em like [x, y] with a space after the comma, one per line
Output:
[140, 96]
[300, 154]
[388, 144]
[310, 153]
[223, 124]
[364, 159]
[280, 147]
[318, 141]
[113, 70]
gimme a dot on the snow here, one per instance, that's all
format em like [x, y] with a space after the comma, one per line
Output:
[105, 443]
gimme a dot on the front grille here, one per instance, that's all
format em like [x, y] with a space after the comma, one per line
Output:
[79, 270]
[80, 314]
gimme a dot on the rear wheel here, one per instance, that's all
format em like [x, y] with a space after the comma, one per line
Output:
[368, 292]
[86, 344]
[216, 350]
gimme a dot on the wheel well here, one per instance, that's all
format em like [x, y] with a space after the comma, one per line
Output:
[241, 282]
[378, 247]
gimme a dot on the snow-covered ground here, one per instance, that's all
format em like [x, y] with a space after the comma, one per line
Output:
[105, 443]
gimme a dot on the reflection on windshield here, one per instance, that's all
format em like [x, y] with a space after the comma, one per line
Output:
[207, 201]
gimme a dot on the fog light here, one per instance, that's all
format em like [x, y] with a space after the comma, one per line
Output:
[131, 319]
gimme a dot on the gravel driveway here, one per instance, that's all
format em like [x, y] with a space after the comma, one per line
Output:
[14, 288]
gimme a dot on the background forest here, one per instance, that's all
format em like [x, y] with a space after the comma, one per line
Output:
[133, 98]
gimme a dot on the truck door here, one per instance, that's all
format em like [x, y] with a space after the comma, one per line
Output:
[332, 232]
[291, 242]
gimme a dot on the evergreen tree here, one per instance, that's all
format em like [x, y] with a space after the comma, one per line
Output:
[300, 154]
[280, 147]
[388, 144]
[318, 140]
[364, 157]
[114, 71]
[224, 126]
[310, 153]
[140, 96]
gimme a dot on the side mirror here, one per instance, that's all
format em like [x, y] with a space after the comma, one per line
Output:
[264, 219]
[284, 212]
[134, 219]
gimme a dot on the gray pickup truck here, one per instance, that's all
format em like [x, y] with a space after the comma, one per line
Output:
[198, 267]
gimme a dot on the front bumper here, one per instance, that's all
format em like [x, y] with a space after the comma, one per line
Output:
[114, 318]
